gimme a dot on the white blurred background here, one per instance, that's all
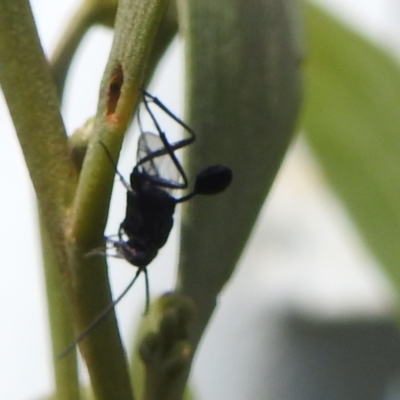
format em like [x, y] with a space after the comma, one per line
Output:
[304, 253]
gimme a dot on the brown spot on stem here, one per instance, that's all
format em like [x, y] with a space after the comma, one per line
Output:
[114, 91]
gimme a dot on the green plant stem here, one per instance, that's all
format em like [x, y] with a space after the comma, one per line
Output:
[166, 32]
[31, 97]
[65, 370]
[29, 90]
[62, 57]
[34, 107]
[162, 349]
[135, 27]
[88, 13]
[66, 376]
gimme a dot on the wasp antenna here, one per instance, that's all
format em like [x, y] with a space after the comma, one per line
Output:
[99, 318]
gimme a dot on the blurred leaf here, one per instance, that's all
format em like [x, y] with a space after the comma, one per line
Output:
[243, 92]
[352, 120]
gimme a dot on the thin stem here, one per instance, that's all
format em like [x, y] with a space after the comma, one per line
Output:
[31, 97]
[88, 13]
[136, 24]
[62, 57]
[135, 27]
[65, 371]
[30, 93]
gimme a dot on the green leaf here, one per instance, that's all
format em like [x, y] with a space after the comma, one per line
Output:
[352, 122]
[243, 94]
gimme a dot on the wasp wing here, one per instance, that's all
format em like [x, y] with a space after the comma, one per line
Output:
[154, 161]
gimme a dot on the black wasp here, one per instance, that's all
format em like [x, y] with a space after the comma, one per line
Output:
[150, 205]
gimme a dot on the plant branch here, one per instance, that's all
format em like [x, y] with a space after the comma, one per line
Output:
[62, 57]
[66, 370]
[135, 27]
[164, 349]
[166, 32]
[88, 13]
[30, 93]
[31, 97]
